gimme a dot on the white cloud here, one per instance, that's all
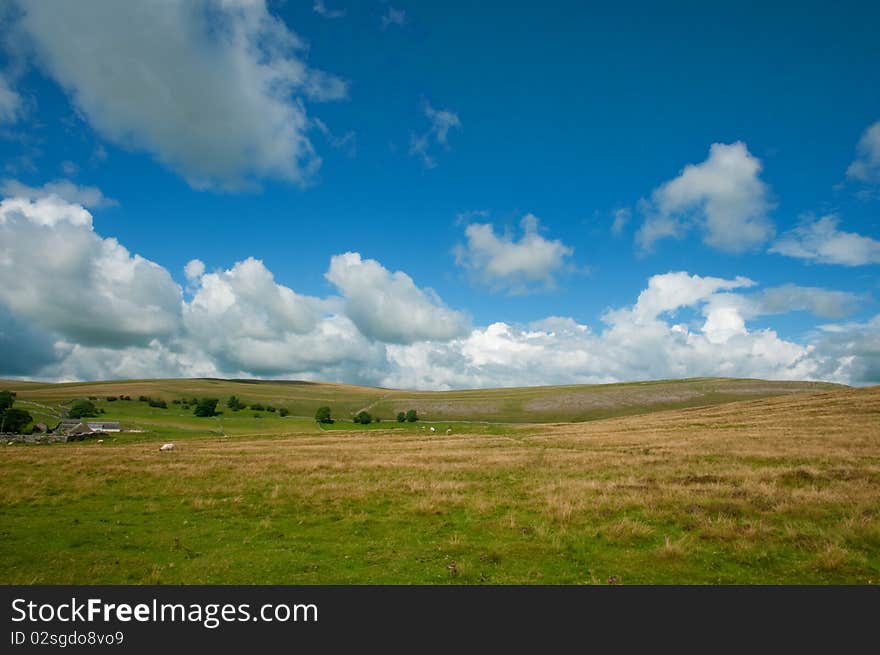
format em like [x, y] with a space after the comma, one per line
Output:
[388, 306]
[723, 196]
[86, 196]
[11, 104]
[321, 9]
[670, 291]
[819, 240]
[441, 122]
[92, 310]
[791, 297]
[393, 17]
[866, 166]
[637, 342]
[851, 352]
[214, 90]
[65, 278]
[194, 269]
[505, 263]
[247, 323]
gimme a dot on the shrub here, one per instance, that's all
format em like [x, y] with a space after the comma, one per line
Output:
[412, 416]
[235, 404]
[363, 418]
[7, 398]
[283, 411]
[14, 420]
[269, 408]
[83, 408]
[401, 417]
[143, 399]
[257, 407]
[206, 407]
[158, 403]
[323, 415]
[110, 399]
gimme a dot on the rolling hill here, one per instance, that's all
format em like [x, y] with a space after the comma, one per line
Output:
[507, 405]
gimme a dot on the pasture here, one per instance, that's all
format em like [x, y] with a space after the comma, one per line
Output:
[775, 490]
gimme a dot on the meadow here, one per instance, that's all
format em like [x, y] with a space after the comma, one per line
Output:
[779, 489]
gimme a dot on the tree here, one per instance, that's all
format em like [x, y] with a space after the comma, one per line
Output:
[412, 416]
[206, 407]
[83, 408]
[323, 415]
[257, 407]
[283, 411]
[235, 404]
[158, 403]
[401, 417]
[363, 417]
[6, 400]
[14, 420]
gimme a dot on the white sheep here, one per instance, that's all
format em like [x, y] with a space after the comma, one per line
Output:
[432, 429]
[448, 431]
[166, 447]
[100, 441]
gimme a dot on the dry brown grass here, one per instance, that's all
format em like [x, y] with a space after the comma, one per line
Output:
[784, 489]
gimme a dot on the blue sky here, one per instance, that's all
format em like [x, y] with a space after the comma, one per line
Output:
[490, 166]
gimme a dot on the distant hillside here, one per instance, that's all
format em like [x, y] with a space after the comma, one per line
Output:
[515, 405]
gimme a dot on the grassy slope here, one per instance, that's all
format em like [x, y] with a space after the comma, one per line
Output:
[530, 404]
[777, 490]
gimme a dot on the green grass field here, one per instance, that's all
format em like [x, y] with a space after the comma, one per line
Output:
[780, 488]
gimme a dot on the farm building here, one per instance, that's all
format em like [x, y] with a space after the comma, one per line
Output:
[72, 427]
[104, 426]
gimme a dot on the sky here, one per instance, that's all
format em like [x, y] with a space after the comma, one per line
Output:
[439, 195]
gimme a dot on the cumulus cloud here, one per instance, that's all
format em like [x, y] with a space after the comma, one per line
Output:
[670, 291]
[246, 322]
[819, 240]
[24, 348]
[214, 90]
[866, 166]
[194, 270]
[88, 196]
[644, 341]
[502, 262]
[92, 310]
[78, 284]
[388, 306]
[441, 122]
[852, 351]
[723, 197]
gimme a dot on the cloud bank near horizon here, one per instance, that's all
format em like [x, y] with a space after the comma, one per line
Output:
[381, 327]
